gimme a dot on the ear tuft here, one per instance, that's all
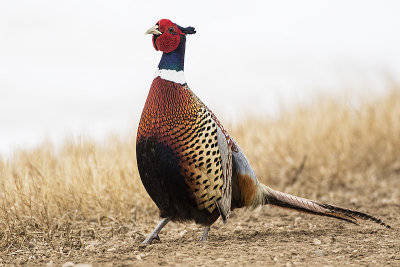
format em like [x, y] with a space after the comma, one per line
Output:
[187, 30]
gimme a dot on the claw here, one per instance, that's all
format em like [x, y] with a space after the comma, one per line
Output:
[150, 239]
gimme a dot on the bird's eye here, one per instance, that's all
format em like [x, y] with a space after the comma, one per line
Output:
[171, 30]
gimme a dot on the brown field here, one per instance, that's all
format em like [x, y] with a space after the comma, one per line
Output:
[84, 202]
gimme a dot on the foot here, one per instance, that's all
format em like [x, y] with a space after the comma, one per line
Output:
[203, 238]
[154, 235]
[149, 239]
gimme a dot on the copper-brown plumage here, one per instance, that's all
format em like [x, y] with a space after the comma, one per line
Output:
[174, 116]
[188, 163]
[248, 189]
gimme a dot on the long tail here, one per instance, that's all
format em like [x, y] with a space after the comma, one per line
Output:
[276, 198]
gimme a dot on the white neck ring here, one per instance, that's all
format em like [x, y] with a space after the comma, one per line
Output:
[171, 75]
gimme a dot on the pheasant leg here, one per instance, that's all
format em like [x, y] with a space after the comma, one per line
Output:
[205, 233]
[154, 235]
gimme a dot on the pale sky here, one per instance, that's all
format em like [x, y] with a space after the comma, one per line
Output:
[85, 67]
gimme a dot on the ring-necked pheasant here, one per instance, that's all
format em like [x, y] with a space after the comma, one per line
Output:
[188, 163]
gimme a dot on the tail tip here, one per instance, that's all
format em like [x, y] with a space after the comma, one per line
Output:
[379, 221]
[386, 225]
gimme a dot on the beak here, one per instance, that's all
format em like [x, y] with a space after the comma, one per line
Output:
[154, 30]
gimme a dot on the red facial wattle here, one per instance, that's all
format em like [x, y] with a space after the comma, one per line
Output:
[167, 43]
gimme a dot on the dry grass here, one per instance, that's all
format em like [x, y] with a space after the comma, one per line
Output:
[353, 149]
[340, 144]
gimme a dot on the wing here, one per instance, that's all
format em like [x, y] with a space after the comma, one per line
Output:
[206, 164]
[224, 204]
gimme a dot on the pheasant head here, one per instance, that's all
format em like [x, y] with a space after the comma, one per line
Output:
[167, 35]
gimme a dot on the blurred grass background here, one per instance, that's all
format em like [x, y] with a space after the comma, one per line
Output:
[328, 150]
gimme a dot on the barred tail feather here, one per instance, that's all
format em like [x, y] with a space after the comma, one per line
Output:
[284, 200]
[355, 213]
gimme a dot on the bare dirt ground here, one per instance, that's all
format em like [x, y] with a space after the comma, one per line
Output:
[266, 236]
